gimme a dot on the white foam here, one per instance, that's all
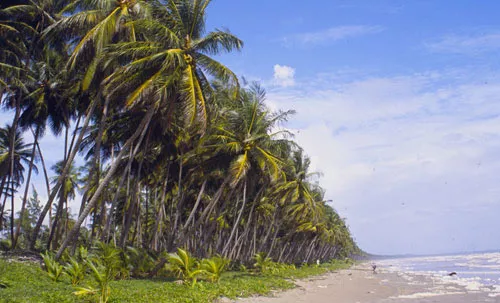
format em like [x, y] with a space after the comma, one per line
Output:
[427, 295]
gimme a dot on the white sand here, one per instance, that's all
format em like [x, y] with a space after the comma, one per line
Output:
[360, 285]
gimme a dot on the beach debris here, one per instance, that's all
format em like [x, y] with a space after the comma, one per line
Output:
[451, 274]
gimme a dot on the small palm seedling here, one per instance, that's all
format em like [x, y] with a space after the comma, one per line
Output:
[138, 261]
[102, 278]
[185, 266]
[82, 254]
[75, 270]
[263, 263]
[214, 267]
[109, 257]
[53, 268]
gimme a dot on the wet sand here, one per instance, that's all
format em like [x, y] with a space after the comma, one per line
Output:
[360, 285]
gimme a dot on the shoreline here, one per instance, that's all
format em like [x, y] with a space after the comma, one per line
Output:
[360, 284]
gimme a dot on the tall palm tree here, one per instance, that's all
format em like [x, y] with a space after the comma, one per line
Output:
[173, 52]
[153, 75]
[12, 172]
[94, 25]
[66, 192]
[50, 102]
[245, 134]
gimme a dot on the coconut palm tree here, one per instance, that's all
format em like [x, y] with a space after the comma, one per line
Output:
[66, 192]
[174, 53]
[177, 69]
[12, 172]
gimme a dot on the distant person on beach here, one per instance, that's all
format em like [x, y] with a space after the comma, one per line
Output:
[374, 267]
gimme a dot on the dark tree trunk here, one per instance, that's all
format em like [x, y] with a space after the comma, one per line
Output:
[26, 189]
[140, 132]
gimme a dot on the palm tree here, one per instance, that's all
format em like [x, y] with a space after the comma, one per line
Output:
[245, 134]
[50, 102]
[66, 192]
[177, 68]
[12, 172]
[94, 24]
[174, 53]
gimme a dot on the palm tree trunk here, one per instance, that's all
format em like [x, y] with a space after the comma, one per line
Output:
[208, 210]
[66, 130]
[180, 200]
[96, 156]
[159, 219]
[46, 175]
[2, 187]
[26, 189]
[12, 157]
[137, 190]
[129, 215]
[268, 233]
[57, 218]
[235, 226]
[12, 215]
[107, 229]
[65, 171]
[140, 132]
[198, 199]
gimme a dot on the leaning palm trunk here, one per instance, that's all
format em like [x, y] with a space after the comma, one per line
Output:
[161, 213]
[26, 189]
[135, 202]
[2, 185]
[141, 131]
[4, 200]
[237, 222]
[193, 211]
[129, 215]
[65, 171]
[94, 168]
[59, 213]
[107, 228]
[46, 175]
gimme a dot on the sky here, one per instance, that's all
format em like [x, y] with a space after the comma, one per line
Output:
[397, 105]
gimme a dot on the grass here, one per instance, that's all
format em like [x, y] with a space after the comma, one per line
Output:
[29, 283]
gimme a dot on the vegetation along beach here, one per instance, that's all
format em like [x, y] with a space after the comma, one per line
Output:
[144, 158]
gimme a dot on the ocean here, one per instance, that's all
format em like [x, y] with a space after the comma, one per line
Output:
[475, 272]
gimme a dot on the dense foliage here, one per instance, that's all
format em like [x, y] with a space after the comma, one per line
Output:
[178, 153]
[26, 282]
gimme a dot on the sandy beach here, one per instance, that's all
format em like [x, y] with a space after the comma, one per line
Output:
[360, 285]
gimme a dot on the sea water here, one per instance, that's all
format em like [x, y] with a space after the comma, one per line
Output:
[476, 272]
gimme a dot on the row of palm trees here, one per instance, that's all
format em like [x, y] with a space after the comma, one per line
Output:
[178, 152]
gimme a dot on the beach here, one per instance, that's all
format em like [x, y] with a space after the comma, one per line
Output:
[360, 284]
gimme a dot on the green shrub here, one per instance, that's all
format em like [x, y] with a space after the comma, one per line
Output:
[75, 270]
[53, 268]
[138, 261]
[108, 256]
[263, 263]
[214, 267]
[185, 266]
[102, 278]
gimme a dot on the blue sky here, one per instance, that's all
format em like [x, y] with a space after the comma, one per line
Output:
[397, 105]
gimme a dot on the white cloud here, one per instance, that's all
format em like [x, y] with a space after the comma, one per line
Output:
[405, 157]
[331, 34]
[284, 75]
[466, 44]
